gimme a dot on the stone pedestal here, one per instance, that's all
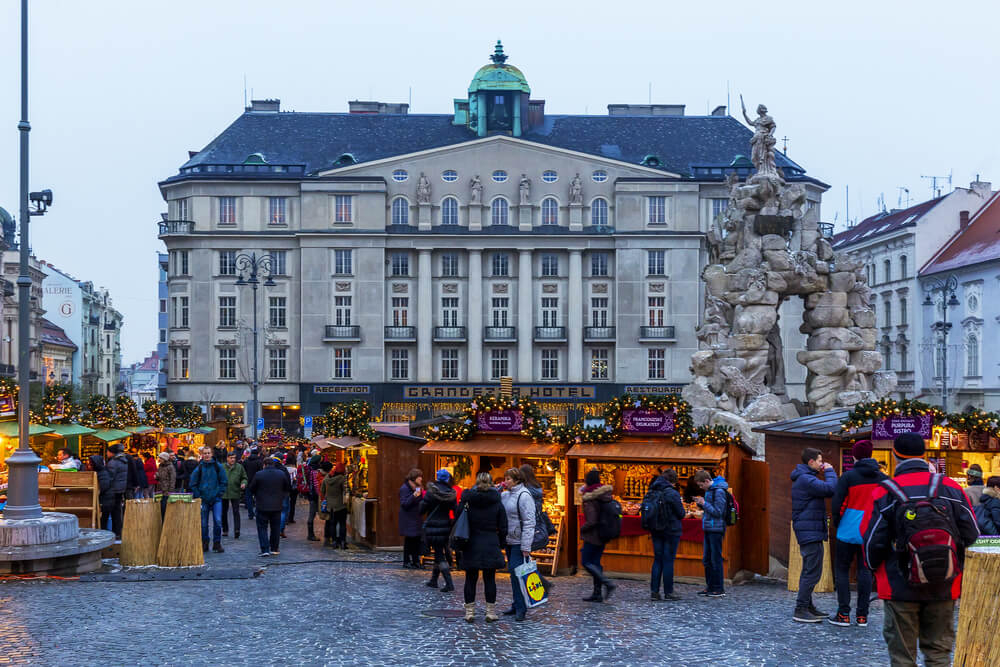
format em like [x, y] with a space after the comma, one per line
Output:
[475, 217]
[524, 217]
[576, 217]
[424, 220]
[52, 544]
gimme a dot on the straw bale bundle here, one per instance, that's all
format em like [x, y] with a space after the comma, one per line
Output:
[825, 584]
[180, 539]
[979, 616]
[140, 532]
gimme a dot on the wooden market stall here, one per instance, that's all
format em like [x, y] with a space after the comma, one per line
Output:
[396, 454]
[630, 464]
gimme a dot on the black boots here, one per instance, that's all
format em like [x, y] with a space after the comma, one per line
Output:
[599, 581]
[312, 535]
[446, 574]
[596, 595]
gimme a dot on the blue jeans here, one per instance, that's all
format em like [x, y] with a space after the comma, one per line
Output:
[249, 503]
[215, 507]
[515, 558]
[590, 558]
[284, 512]
[268, 524]
[664, 553]
[712, 559]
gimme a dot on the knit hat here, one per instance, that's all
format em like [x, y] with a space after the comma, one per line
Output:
[442, 475]
[862, 449]
[165, 456]
[908, 446]
[314, 461]
[116, 448]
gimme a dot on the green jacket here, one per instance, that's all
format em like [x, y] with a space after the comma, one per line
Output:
[235, 476]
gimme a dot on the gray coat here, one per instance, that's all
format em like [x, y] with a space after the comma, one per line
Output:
[118, 467]
[520, 508]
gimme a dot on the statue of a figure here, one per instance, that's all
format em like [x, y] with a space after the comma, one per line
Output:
[524, 187]
[477, 189]
[762, 143]
[576, 190]
[423, 190]
[718, 321]
[774, 377]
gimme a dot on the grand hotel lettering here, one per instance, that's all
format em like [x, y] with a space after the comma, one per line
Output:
[432, 392]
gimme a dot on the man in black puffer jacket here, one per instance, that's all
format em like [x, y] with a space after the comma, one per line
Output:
[252, 465]
[666, 541]
[118, 467]
[438, 504]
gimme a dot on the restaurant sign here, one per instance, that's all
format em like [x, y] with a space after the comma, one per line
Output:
[648, 421]
[500, 421]
[888, 429]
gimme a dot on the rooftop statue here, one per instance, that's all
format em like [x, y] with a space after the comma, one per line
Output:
[763, 142]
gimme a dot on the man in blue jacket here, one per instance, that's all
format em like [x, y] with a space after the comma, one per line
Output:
[713, 524]
[813, 481]
[208, 482]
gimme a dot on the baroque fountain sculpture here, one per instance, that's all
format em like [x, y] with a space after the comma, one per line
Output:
[763, 250]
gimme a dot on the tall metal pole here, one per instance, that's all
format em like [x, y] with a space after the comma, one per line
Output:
[944, 351]
[22, 490]
[256, 403]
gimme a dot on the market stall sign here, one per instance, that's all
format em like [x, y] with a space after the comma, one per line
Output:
[500, 421]
[889, 428]
[7, 405]
[648, 421]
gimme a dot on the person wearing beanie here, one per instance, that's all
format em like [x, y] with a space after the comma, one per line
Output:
[166, 479]
[974, 483]
[923, 614]
[333, 487]
[410, 524]
[437, 504]
[851, 500]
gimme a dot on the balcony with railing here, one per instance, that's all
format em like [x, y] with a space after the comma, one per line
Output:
[171, 227]
[449, 334]
[337, 332]
[598, 333]
[500, 334]
[400, 334]
[550, 334]
[662, 333]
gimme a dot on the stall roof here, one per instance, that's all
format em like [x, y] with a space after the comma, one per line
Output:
[647, 450]
[139, 429]
[111, 435]
[237, 425]
[70, 429]
[401, 431]
[205, 429]
[499, 446]
[9, 429]
[176, 431]
[822, 426]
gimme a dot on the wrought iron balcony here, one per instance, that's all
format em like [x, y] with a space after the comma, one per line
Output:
[506, 334]
[656, 333]
[339, 332]
[598, 333]
[550, 334]
[400, 333]
[170, 227]
[451, 334]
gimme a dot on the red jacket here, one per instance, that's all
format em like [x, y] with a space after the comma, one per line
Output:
[877, 527]
[150, 469]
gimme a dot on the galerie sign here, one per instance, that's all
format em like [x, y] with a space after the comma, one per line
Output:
[648, 421]
[500, 421]
[888, 429]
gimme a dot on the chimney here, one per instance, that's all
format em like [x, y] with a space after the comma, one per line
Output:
[963, 219]
[719, 110]
[372, 107]
[264, 106]
[982, 188]
[536, 113]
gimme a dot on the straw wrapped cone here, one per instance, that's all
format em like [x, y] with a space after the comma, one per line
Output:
[978, 616]
[140, 532]
[825, 584]
[180, 540]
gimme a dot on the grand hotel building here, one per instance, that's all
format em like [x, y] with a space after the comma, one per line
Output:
[418, 258]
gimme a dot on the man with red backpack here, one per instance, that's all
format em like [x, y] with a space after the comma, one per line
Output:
[915, 536]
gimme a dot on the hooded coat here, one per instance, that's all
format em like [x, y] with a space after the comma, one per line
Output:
[106, 495]
[853, 498]
[675, 506]
[208, 481]
[118, 467]
[592, 498]
[166, 477]
[437, 504]
[809, 494]
[487, 529]
[989, 500]
[333, 490]
[713, 518]
[409, 512]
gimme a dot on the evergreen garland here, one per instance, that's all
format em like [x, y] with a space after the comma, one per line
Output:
[535, 424]
[351, 419]
[863, 413]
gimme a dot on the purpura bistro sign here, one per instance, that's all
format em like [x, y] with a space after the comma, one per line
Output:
[889, 428]
[660, 422]
[500, 421]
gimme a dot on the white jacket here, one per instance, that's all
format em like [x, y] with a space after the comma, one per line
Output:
[520, 508]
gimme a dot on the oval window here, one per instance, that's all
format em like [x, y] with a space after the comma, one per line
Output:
[550, 176]
[600, 176]
[400, 175]
[449, 176]
[500, 176]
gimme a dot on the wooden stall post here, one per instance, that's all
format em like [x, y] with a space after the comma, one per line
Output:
[180, 539]
[140, 532]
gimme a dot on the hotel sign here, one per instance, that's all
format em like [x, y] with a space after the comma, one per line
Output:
[470, 391]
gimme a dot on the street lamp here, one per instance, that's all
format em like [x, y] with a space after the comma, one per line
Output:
[22, 490]
[281, 411]
[947, 288]
[248, 266]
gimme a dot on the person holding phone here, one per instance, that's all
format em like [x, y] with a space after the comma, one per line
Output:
[813, 481]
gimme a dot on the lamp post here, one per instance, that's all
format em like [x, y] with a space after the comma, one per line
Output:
[947, 288]
[248, 267]
[22, 491]
[281, 413]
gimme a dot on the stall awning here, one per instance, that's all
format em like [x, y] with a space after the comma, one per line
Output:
[504, 446]
[138, 430]
[237, 425]
[822, 426]
[111, 435]
[205, 429]
[652, 450]
[176, 431]
[70, 429]
[9, 429]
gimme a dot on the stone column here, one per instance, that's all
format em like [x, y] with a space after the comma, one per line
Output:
[574, 316]
[525, 318]
[425, 318]
[475, 316]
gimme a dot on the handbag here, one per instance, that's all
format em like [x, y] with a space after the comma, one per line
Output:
[543, 527]
[533, 588]
[324, 511]
[459, 537]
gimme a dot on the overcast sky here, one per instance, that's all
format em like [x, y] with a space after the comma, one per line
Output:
[870, 94]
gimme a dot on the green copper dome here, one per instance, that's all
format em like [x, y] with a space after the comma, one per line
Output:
[498, 75]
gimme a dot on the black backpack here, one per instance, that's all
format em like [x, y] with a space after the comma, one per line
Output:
[654, 511]
[732, 511]
[984, 520]
[926, 534]
[609, 522]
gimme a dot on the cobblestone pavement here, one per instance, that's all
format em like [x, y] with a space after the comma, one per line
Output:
[313, 605]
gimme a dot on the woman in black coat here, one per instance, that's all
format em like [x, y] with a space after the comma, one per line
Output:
[437, 505]
[106, 497]
[487, 531]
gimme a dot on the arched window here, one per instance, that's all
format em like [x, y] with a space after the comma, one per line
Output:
[599, 212]
[550, 211]
[400, 211]
[972, 355]
[902, 267]
[449, 211]
[500, 210]
[888, 271]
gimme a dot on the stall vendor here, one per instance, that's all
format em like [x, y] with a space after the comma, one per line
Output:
[66, 461]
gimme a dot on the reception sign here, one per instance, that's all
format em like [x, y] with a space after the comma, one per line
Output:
[888, 429]
[500, 421]
[648, 421]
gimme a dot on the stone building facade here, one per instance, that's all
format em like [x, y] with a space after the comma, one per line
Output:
[417, 259]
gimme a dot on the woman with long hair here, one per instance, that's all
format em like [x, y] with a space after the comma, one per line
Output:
[482, 554]
[520, 508]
